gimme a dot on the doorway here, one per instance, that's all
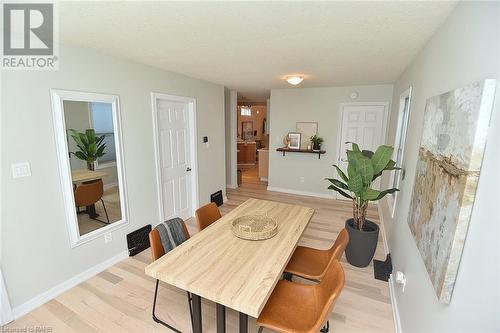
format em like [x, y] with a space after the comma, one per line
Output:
[364, 124]
[176, 156]
[252, 143]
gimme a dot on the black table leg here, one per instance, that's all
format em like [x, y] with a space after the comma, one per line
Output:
[243, 323]
[196, 314]
[221, 318]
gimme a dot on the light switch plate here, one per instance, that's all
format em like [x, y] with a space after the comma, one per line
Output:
[20, 170]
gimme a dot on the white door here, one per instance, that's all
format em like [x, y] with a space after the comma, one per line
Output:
[364, 125]
[174, 144]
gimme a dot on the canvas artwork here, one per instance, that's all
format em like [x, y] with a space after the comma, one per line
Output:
[449, 163]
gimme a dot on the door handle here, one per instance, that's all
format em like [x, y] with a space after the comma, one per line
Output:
[188, 169]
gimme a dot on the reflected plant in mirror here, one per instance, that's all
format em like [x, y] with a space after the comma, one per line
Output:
[90, 146]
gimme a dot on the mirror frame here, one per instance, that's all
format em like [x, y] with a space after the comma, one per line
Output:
[57, 98]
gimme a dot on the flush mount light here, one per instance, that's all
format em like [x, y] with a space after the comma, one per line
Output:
[294, 79]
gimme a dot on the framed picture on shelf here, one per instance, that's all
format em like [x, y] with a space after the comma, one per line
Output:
[294, 140]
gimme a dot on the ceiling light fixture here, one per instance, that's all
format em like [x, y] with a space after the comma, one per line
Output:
[294, 79]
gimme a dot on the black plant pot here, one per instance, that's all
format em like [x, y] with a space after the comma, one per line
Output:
[317, 147]
[362, 244]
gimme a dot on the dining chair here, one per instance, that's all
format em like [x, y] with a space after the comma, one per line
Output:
[300, 308]
[312, 263]
[206, 215]
[157, 251]
[88, 194]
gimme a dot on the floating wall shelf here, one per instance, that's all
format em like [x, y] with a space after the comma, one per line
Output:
[288, 150]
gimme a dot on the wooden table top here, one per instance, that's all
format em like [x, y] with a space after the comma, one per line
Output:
[84, 175]
[239, 274]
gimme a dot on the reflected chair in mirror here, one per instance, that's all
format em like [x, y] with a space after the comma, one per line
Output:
[88, 194]
[312, 263]
[300, 308]
[206, 215]
[157, 251]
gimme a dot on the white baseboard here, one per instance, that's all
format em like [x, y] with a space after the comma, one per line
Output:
[394, 302]
[231, 186]
[52, 293]
[263, 179]
[309, 194]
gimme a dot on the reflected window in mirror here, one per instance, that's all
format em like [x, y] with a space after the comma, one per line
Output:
[90, 124]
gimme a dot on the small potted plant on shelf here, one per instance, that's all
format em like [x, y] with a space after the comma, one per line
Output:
[316, 142]
[363, 168]
[90, 146]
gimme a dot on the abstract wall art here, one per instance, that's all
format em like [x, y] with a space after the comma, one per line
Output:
[446, 177]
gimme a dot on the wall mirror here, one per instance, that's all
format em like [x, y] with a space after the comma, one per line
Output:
[89, 146]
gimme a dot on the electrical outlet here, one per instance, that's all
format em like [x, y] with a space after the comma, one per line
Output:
[401, 280]
[20, 170]
[108, 237]
[301, 179]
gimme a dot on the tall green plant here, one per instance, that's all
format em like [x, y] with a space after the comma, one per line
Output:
[364, 166]
[90, 146]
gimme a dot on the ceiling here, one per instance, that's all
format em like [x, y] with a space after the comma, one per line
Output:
[251, 46]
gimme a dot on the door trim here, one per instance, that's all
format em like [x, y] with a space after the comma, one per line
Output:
[341, 118]
[193, 148]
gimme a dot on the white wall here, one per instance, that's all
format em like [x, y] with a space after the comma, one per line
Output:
[321, 105]
[36, 253]
[230, 105]
[465, 49]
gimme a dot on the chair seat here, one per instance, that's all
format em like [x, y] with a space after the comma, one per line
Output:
[291, 308]
[308, 263]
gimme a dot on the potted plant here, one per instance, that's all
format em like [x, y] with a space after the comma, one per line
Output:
[363, 168]
[316, 142]
[90, 146]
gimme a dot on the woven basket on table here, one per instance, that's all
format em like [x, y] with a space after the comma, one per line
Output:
[254, 227]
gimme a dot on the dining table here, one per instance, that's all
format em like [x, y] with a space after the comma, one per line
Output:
[84, 175]
[232, 272]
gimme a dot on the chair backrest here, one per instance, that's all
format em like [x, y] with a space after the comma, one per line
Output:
[328, 290]
[337, 249]
[207, 215]
[340, 244]
[157, 249]
[89, 193]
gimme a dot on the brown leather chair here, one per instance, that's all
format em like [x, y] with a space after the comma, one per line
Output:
[312, 263]
[87, 194]
[207, 215]
[157, 251]
[300, 308]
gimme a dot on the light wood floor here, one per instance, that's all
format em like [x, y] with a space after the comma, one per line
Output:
[120, 298]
